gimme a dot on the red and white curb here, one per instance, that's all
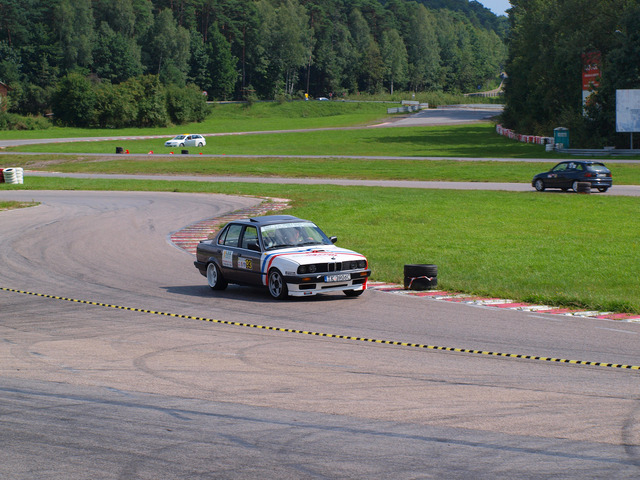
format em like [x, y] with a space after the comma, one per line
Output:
[188, 238]
[500, 303]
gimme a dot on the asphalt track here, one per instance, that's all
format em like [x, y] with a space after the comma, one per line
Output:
[89, 391]
[183, 382]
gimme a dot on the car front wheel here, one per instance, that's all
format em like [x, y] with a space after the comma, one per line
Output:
[539, 184]
[200, 144]
[214, 278]
[277, 288]
[181, 145]
[603, 189]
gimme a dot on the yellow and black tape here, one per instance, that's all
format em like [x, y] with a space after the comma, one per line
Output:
[341, 337]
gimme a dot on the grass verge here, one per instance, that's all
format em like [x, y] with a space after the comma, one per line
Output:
[13, 205]
[551, 249]
[351, 168]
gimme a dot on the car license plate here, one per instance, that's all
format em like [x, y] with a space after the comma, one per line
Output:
[600, 175]
[343, 277]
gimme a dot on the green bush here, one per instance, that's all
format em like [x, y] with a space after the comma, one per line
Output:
[186, 104]
[74, 101]
[13, 121]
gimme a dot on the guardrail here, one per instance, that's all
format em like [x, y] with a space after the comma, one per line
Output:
[408, 106]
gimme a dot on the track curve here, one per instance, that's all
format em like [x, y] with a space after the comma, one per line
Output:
[177, 398]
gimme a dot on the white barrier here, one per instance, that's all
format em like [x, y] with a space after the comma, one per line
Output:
[13, 175]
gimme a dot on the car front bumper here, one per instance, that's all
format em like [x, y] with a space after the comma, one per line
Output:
[307, 285]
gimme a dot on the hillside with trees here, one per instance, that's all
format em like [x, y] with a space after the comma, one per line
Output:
[90, 61]
[546, 45]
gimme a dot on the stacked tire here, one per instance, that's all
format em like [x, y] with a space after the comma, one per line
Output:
[420, 276]
[583, 187]
[13, 175]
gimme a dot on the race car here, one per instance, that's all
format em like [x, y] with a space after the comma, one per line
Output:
[288, 255]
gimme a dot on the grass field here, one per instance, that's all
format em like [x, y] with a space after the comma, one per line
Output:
[561, 249]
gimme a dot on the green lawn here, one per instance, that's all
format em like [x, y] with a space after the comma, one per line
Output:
[262, 116]
[565, 249]
[478, 140]
[562, 249]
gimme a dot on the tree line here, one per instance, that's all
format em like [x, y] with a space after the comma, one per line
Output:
[235, 49]
[547, 41]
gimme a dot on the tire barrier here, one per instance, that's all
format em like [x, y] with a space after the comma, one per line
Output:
[119, 150]
[1, 175]
[13, 175]
[584, 187]
[506, 132]
[185, 152]
[420, 276]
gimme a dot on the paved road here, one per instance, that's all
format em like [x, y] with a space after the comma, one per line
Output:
[444, 116]
[624, 190]
[88, 391]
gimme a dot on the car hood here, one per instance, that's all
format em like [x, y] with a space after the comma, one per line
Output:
[316, 254]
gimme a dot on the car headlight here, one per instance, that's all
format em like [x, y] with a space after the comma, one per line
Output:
[303, 269]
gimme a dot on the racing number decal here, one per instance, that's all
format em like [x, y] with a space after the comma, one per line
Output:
[245, 263]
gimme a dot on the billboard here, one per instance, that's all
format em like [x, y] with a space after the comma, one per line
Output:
[628, 111]
[590, 74]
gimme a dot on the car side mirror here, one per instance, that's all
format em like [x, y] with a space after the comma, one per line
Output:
[333, 239]
[253, 246]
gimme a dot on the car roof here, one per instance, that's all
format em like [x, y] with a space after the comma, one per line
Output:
[584, 162]
[270, 220]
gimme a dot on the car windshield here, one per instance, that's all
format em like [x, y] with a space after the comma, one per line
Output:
[292, 235]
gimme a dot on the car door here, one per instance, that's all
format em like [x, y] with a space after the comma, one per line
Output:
[228, 243]
[557, 177]
[249, 255]
[570, 174]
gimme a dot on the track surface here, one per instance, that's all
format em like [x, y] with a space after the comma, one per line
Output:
[94, 392]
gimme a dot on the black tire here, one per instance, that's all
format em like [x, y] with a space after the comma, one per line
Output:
[603, 189]
[181, 145]
[539, 185]
[575, 186]
[420, 270]
[277, 288]
[583, 187]
[214, 277]
[353, 293]
[420, 283]
[200, 144]
[420, 277]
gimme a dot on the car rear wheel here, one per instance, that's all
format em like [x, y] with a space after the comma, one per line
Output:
[574, 186]
[277, 288]
[214, 278]
[603, 189]
[539, 184]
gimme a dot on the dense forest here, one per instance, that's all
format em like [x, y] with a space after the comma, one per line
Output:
[547, 41]
[98, 56]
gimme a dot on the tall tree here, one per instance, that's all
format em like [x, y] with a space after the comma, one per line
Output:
[115, 57]
[166, 51]
[74, 23]
[423, 50]
[394, 54]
